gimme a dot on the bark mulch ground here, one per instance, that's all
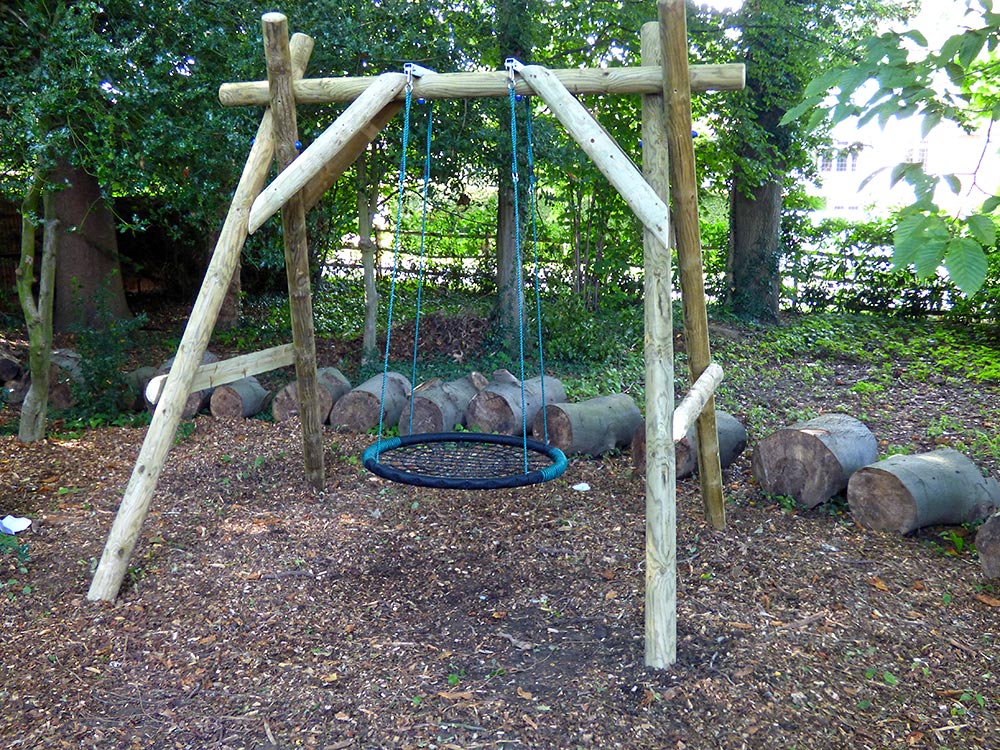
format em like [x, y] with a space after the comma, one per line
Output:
[259, 613]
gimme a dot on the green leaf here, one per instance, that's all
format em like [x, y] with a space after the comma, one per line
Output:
[907, 239]
[990, 204]
[929, 123]
[972, 45]
[929, 256]
[983, 229]
[954, 183]
[967, 264]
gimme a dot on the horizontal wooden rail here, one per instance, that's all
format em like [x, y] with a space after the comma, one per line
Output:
[229, 370]
[478, 85]
[694, 402]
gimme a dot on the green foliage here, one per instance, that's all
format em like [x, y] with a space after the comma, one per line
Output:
[952, 83]
[12, 545]
[103, 351]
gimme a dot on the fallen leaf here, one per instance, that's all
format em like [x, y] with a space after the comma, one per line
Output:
[878, 583]
[465, 695]
[607, 574]
[528, 721]
[914, 738]
[740, 626]
[522, 693]
[989, 601]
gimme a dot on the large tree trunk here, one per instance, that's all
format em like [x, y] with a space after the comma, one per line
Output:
[509, 296]
[904, 493]
[812, 461]
[754, 249]
[88, 275]
[367, 199]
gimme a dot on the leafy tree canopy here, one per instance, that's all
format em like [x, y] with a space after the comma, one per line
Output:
[899, 75]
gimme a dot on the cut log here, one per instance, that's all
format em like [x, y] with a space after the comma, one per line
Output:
[907, 492]
[359, 410]
[10, 367]
[333, 385]
[240, 399]
[440, 406]
[196, 400]
[133, 397]
[988, 546]
[593, 427]
[812, 461]
[497, 408]
[65, 374]
[732, 442]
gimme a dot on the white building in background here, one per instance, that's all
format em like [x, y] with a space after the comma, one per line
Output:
[855, 175]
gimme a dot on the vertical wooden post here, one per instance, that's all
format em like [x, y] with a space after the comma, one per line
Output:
[661, 470]
[139, 492]
[293, 221]
[684, 205]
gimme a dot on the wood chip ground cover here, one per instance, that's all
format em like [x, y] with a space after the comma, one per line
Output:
[262, 614]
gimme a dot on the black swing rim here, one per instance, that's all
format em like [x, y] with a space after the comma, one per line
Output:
[371, 461]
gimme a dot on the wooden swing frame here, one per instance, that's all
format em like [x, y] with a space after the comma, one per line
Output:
[663, 80]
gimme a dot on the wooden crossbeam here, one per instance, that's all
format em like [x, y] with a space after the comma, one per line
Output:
[229, 370]
[486, 84]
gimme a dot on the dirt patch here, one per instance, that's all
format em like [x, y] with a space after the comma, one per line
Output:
[261, 614]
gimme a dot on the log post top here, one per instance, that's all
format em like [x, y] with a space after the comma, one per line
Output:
[645, 79]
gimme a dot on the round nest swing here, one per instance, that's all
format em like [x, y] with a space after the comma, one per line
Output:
[464, 460]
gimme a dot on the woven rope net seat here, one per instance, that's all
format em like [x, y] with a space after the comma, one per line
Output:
[464, 460]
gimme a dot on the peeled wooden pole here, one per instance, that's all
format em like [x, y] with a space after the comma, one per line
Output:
[488, 84]
[293, 222]
[135, 503]
[696, 401]
[340, 162]
[607, 155]
[332, 141]
[661, 470]
[684, 203]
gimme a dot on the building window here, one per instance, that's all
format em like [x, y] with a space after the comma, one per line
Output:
[842, 161]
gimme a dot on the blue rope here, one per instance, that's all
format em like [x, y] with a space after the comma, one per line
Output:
[517, 261]
[395, 265]
[423, 243]
[532, 194]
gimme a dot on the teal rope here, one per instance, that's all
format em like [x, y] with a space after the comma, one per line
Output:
[423, 243]
[517, 261]
[532, 194]
[395, 266]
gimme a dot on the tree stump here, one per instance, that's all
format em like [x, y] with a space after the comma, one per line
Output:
[359, 410]
[988, 546]
[240, 399]
[440, 406]
[812, 461]
[497, 408]
[905, 493]
[593, 427]
[732, 442]
[196, 401]
[333, 385]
